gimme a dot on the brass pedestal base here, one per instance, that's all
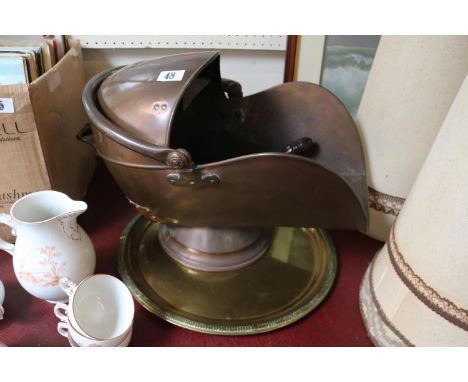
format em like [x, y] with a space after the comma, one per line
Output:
[289, 281]
[214, 249]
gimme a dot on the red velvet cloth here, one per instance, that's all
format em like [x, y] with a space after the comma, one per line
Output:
[337, 321]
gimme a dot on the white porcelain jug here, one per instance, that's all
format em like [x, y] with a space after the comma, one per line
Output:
[49, 243]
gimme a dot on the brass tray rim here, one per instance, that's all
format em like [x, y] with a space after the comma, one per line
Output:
[231, 330]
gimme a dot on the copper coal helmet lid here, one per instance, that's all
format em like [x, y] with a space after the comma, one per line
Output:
[216, 175]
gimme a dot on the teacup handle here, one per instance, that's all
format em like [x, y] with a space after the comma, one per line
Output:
[62, 329]
[5, 245]
[67, 285]
[58, 311]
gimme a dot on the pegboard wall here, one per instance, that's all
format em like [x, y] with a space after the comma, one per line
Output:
[244, 42]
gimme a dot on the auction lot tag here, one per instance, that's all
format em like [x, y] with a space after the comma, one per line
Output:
[171, 75]
[6, 106]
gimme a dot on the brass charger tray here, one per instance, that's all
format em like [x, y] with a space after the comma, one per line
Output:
[287, 283]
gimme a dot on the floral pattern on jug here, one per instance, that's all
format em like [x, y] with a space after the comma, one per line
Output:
[53, 268]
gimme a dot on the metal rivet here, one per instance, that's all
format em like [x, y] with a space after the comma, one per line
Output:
[164, 107]
[156, 107]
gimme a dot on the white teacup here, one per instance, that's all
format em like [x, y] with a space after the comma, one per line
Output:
[100, 308]
[66, 329]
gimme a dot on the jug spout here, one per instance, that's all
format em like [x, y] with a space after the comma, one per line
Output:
[43, 206]
[76, 208]
[67, 220]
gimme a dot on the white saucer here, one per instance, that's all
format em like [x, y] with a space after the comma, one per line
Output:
[123, 344]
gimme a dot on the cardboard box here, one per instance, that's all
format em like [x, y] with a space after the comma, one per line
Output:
[38, 125]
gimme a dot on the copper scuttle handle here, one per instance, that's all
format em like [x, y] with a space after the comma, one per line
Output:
[303, 147]
[232, 88]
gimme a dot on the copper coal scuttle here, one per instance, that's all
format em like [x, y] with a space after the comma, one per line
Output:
[227, 187]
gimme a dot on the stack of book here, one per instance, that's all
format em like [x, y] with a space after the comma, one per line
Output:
[25, 58]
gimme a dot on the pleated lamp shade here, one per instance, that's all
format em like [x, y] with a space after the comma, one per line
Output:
[415, 292]
[410, 88]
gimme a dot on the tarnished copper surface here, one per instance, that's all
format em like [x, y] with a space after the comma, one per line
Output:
[144, 107]
[166, 156]
[255, 190]
[235, 174]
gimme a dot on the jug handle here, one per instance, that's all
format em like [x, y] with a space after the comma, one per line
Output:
[5, 245]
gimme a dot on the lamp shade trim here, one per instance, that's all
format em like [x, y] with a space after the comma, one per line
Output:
[430, 297]
[388, 204]
[379, 327]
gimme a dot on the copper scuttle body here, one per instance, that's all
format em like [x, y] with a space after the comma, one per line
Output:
[219, 177]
